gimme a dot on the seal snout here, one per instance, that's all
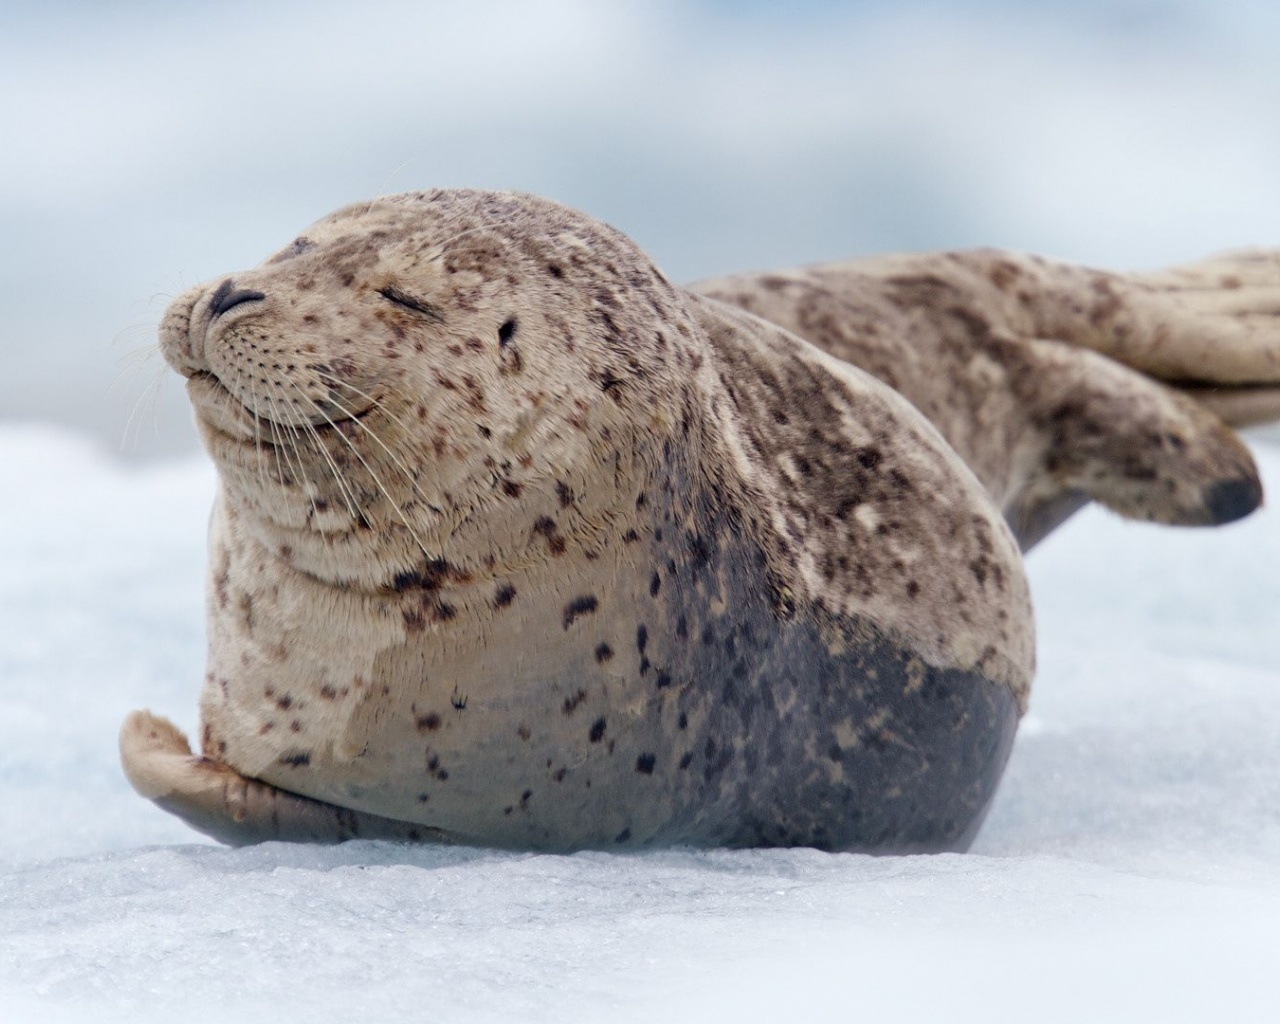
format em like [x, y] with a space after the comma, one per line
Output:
[228, 296]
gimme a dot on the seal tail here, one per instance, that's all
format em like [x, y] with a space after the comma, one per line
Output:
[215, 799]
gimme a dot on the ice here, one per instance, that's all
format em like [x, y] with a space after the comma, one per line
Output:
[1129, 871]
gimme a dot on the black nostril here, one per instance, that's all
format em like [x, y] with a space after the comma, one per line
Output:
[226, 297]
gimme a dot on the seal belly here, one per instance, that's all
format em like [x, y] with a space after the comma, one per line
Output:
[699, 708]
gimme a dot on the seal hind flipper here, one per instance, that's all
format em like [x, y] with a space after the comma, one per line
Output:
[215, 799]
[1237, 406]
[1139, 448]
[1055, 383]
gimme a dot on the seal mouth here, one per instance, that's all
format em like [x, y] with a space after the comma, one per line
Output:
[218, 407]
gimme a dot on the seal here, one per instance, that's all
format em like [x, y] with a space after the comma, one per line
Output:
[517, 543]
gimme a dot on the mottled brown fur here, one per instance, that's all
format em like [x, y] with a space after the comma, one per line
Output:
[518, 543]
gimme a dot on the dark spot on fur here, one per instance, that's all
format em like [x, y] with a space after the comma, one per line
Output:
[686, 760]
[664, 680]
[297, 760]
[622, 836]
[572, 702]
[434, 574]
[683, 721]
[642, 637]
[597, 730]
[504, 595]
[429, 722]
[604, 653]
[507, 331]
[546, 527]
[583, 605]
[644, 764]
[655, 584]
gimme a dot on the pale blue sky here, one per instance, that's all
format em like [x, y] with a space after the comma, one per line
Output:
[150, 146]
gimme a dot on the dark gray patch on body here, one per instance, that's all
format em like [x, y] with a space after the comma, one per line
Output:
[775, 741]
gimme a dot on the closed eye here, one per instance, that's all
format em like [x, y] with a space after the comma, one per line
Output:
[392, 294]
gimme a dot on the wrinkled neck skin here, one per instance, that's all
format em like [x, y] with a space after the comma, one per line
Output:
[385, 530]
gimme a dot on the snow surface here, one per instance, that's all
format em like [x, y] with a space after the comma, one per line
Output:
[1129, 871]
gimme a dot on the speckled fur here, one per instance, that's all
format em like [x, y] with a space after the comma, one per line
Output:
[1049, 379]
[517, 543]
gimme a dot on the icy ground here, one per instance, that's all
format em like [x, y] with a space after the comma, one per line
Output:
[1130, 869]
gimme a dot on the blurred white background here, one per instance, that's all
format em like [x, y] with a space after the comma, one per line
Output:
[148, 146]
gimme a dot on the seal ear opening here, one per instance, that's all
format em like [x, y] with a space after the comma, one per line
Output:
[1138, 447]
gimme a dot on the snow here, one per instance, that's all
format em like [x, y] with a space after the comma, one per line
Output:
[1129, 871]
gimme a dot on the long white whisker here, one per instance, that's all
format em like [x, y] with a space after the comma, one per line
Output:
[276, 448]
[257, 442]
[348, 496]
[133, 422]
[308, 488]
[369, 469]
[404, 470]
[333, 382]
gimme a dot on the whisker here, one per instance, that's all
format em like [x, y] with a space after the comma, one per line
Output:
[257, 442]
[389, 178]
[308, 487]
[369, 469]
[277, 447]
[344, 488]
[404, 470]
[133, 422]
[334, 382]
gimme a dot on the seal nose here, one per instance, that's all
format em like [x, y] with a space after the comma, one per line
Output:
[228, 297]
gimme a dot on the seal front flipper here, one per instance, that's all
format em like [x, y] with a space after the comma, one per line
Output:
[215, 799]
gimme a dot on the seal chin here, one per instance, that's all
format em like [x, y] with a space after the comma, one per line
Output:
[218, 409]
[222, 411]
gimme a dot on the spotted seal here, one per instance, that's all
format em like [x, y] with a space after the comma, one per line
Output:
[517, 543]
